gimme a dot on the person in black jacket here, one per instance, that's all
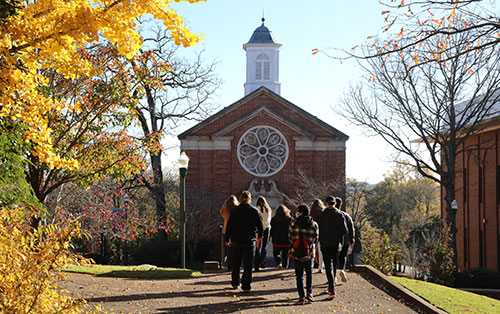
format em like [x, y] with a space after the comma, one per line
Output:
[347, 240]
[243, 229]
[332, 228]
[303, 235]
[280, 224]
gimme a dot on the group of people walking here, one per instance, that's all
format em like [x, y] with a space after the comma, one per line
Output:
[323, 233]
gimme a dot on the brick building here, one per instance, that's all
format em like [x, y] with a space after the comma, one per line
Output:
[261, 142]
[478, 198]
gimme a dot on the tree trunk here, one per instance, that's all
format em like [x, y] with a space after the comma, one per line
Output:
[192, 250]
[451, 219]
[158, 192]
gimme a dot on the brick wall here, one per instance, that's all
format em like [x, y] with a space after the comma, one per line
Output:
[477, 186]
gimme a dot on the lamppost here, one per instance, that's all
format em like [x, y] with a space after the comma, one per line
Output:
[454, 206]
[126, 204]
[183, 167]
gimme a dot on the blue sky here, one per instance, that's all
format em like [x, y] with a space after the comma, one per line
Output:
[313, 82]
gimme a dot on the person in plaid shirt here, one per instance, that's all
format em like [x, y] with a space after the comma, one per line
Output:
[304, 228]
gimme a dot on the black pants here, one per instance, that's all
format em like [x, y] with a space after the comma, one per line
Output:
[330, 259]
[242, 254]
[343, 257]
[280, 254]
[260, 255]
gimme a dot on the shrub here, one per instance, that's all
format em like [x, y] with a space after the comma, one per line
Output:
[441, 268]
[161, 253]
[378, 251]
[29, 264]
[478, 278]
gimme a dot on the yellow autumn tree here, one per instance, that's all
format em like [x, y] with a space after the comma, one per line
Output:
[29, 260]
[39, 35]
[46, 34]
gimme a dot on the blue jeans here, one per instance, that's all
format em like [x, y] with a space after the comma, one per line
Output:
[330, 259]
[300, 267]
[242, 254]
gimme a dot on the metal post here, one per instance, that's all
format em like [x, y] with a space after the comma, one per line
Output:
[183, 173]
[222, 247]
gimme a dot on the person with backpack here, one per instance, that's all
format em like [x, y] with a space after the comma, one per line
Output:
[243, 230]
[332, 228]
[280, 224]
[303, 236]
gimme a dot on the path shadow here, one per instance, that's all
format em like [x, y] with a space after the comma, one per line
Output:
[236, 306]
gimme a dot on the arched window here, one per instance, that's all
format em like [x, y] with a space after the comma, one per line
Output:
[262, 67]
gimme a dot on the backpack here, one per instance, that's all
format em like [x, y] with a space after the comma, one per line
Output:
[301, 249]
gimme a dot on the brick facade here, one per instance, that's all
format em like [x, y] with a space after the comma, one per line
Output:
[314, 147]
[478, 196]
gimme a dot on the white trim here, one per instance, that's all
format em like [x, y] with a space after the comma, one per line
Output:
[318, 145]
[206, 143]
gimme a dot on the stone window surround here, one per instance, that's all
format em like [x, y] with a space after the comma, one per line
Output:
[260, 153]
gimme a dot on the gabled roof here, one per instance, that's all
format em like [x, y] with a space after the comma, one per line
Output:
[490, 105]
[482, 112]
[263, 90]
[272, 114]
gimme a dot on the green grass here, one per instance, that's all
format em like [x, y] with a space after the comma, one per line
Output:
[144, 272]
[451, 300]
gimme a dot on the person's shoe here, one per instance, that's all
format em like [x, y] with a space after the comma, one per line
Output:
[310, 298]
[300, 301]
[234, 287]
[343, 276]
[320, 270]
[331, 294]
[256, 269]
[246, 290]
[280, 266]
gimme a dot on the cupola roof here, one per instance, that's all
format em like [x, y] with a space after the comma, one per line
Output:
[262, 35]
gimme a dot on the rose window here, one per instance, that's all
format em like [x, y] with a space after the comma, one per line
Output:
[262, 151]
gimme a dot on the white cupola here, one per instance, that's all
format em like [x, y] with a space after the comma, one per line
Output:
[262, 61]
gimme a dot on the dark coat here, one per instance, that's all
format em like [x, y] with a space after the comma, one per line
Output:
[349, 237]
[306, 226]
[279, 230]
[244, 224]
[332, 227]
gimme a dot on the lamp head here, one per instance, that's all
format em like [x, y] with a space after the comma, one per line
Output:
[183, 160]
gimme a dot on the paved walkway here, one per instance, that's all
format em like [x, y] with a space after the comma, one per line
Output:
[273, 291]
